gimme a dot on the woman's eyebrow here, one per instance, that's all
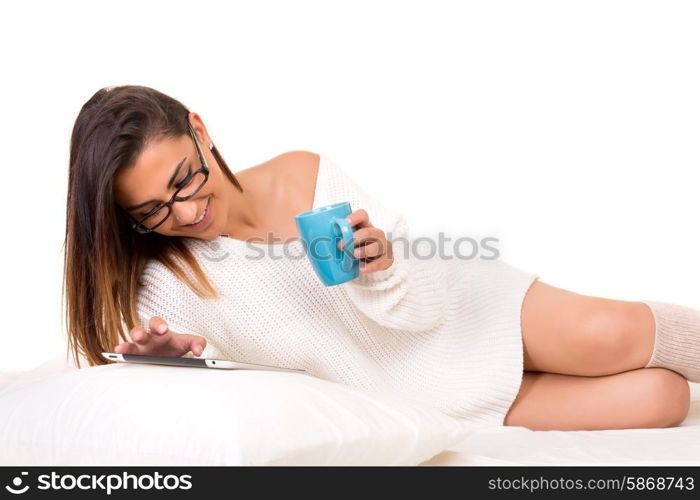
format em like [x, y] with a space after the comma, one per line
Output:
[170, 184]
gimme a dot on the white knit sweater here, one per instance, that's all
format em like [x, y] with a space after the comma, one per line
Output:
[438, 332]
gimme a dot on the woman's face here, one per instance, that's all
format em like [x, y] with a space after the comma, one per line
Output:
[154, 178]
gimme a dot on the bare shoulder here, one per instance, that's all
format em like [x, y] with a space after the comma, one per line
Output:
[296, 171]
[295, 164]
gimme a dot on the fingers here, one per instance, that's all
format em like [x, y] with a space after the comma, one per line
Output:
[374, 258]
[168, 343]
[194, 343]
[139, 335]
[158, 330]
[362, 238]
[369, 252]
[377, 265]
[142, 339]
[126, 348]
[359, 218]
[157, 325]
[197, 348]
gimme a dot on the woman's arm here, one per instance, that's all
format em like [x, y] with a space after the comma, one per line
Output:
[412, 293]
[165, 301]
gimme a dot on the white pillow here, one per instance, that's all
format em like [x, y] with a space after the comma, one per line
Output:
[123, 414]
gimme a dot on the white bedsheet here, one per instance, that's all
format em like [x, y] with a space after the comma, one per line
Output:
[520, 446]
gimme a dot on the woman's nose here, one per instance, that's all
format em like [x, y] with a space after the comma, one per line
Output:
[185, 212]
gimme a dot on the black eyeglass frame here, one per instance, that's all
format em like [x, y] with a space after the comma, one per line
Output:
[138, 223]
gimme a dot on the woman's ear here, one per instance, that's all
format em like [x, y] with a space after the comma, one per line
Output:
[200, 129]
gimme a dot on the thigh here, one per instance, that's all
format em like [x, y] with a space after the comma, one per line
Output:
[574, 334]
[642, 398]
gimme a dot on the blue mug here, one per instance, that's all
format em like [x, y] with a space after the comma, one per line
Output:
[321, 229]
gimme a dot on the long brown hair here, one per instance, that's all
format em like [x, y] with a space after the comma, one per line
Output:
[104, 257]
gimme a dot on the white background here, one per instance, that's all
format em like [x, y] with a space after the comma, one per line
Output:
[569, 130]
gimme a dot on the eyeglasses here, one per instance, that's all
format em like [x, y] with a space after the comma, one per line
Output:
[189, 186]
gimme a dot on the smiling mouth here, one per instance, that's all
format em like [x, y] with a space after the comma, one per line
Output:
[200, 217]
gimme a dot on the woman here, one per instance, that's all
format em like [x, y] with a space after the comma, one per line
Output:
[156, 226]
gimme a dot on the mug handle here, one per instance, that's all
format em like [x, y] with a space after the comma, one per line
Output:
[348, 243]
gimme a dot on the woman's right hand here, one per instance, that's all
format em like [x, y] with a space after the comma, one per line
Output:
[161, 341]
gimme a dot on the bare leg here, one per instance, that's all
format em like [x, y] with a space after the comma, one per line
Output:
[573, 334]
[641, 398]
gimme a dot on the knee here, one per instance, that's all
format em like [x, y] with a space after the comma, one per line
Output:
[666, 397]
[605, 332]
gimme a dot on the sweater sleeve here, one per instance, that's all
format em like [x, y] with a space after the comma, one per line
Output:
[412, 294]
[165, 296]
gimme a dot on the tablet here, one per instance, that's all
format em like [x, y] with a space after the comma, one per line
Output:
[223, 364]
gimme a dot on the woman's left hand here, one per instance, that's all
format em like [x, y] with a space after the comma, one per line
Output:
[370, 244]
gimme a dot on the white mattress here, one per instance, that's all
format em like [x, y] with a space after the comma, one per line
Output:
[520, 446]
